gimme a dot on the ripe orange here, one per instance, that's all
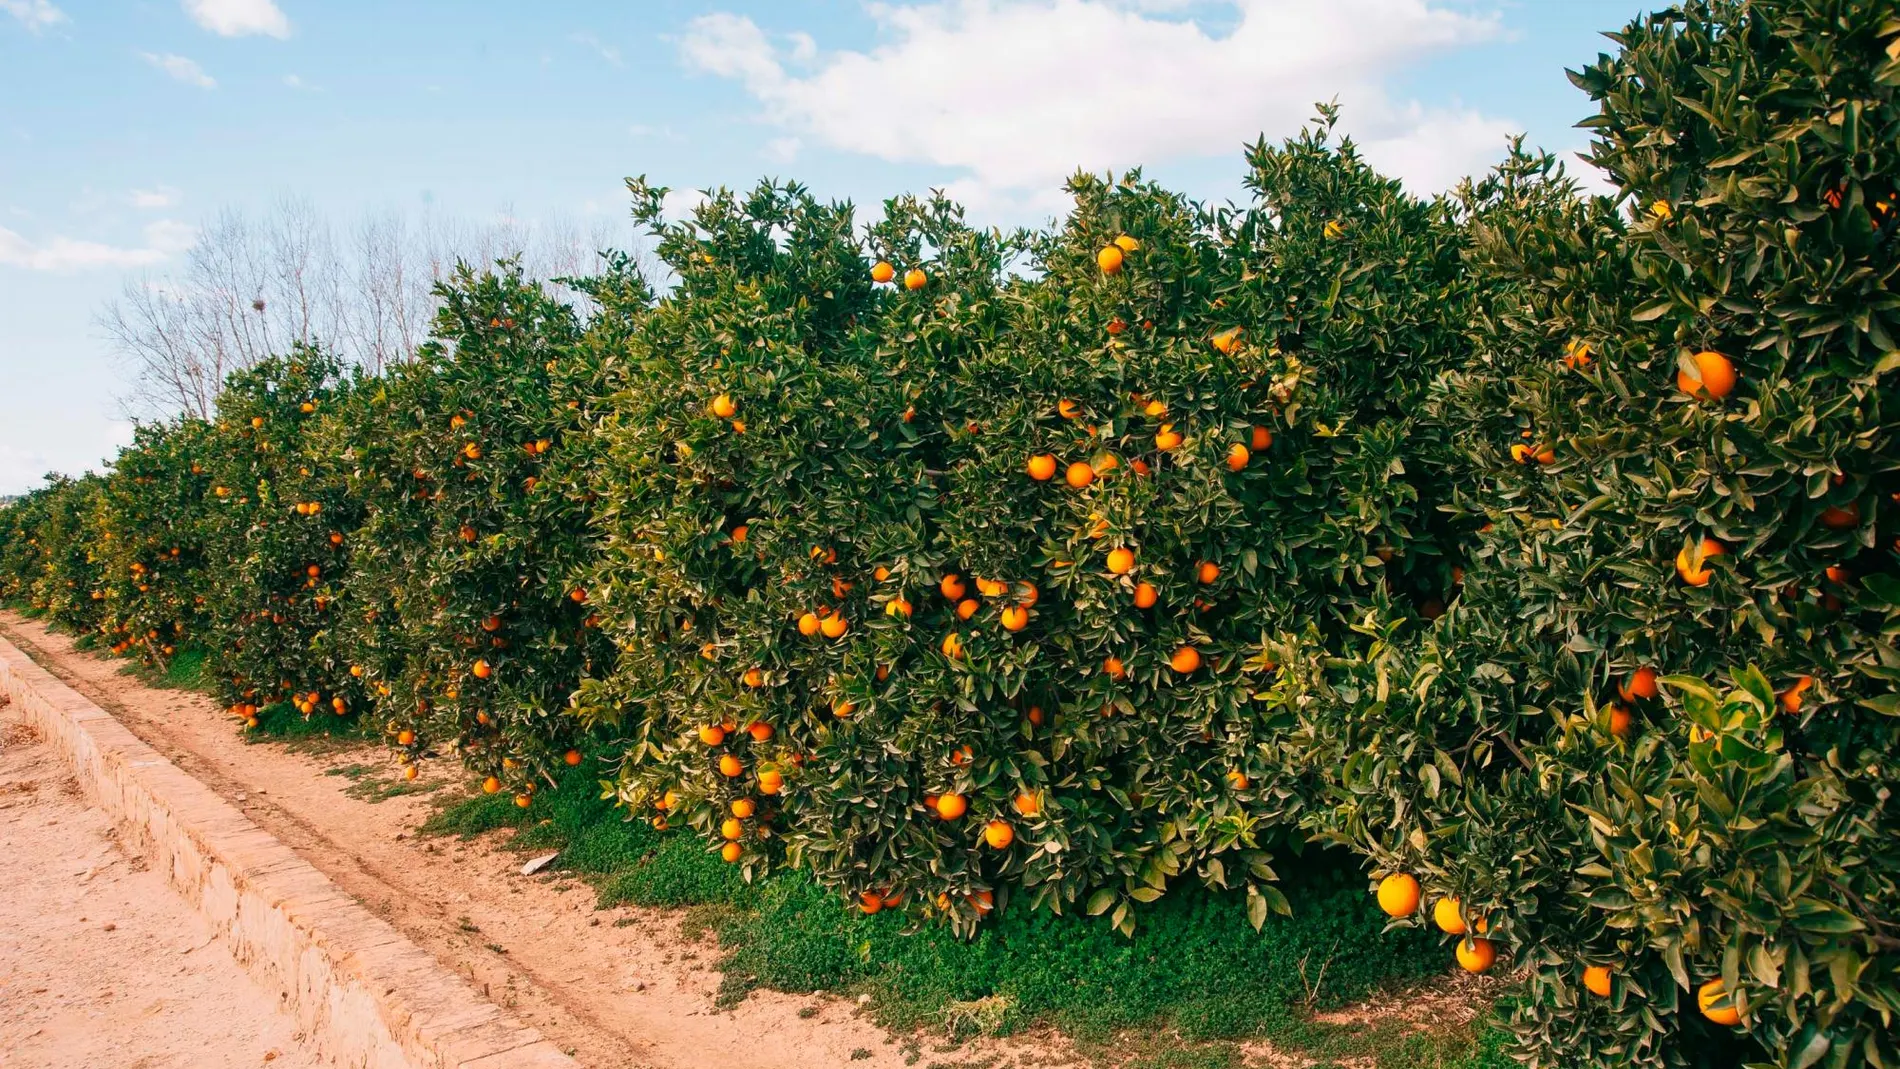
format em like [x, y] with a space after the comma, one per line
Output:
[729, 766]
[882, 271]
[482, 670]
[1079, 475]
[1109, 259]
[842, 708]
[1145, 596]
[897, 606]
[739, 534]
[1596, 979]
[712, 734]
[1120, 561]
[1042, 467]
[1445, 914]
[967, 608]
[492, 624]
[491, 785]
[952, 587]
[1262, 439]
[759, 730]
[405, 738]
[1717, 1005]
[1640, 684]
[1068, 409]
[524, 800]
[953, 646]
[951, 806]
[915, 279]
[1227, 340]
[771, 781]
[1790, 699]
[1619, 718]
[1697, 573]
[1577, 354]
[743, 808]
[834, 626]
[731, 852]
[1837, 574]
[1836, 518]
[808, 624]
[572, 757]
[1114, 667]
[723, 407]
[1476, 955]
[1398, 895]
[991, 588]
[731, 828]
[411, 772]
[1015, 618]
[1238, 780]
[754, 677]
[998, 833]
[882, 573]
[1027, 804]
[1035, 715]
[1185, 660]
[1207, 572]
[1522, 454]
[1167, 439]
[1237, 457]
[1127, 244]
[870, 902]
[1714, 376]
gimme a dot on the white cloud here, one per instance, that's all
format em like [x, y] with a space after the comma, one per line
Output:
[182, 69]
[238, 18]
[35, 15]
[1020, 93]
[678, 204]
[148, 199]
[163, 238]
[782, 149]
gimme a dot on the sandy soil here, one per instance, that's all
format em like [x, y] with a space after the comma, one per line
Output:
[618, 989]
[102, 964]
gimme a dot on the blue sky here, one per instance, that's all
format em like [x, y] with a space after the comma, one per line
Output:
[125, 127]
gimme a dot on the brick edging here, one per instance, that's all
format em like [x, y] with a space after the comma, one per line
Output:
[365, 995]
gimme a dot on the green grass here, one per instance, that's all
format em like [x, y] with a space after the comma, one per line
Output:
[1194, 970]
[186, 669]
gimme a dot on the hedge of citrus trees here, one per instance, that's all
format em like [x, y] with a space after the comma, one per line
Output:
[1538, 547]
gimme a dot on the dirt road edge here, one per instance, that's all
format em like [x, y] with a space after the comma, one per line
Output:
[365, 995]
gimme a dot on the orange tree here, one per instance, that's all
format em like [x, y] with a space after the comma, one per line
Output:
[49, 563]
[150, 540]
[276, 540]
[1686, 473]
[464, 620]
[968, 583]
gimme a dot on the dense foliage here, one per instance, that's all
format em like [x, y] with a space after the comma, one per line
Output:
[952, 566]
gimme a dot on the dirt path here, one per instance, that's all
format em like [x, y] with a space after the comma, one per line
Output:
[618, 989]
[102, 964]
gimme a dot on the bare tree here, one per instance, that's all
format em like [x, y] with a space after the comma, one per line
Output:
[249, 288]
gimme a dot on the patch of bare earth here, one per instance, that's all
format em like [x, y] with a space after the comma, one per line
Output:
[101, 963]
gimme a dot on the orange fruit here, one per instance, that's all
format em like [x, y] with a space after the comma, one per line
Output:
[1837, 574]
[1120, 561]
[1207, 571]
[1227, 340]
[405, 738]
[491, 785]
[808, 624]
[754, 677]
[1035, 715]
[1446, 915]
[1714, 376]
[723, 407]
[1238, 780]
[731, 852]
[1127, 244]
[1476, 955]
[953, 646]
[915, 279]
[1185, 660]
[1015, 618]
[991, 588]
[729, 766]
[1262, 439]
[951, 806]
[870, 902]
[1717, 1005]
[1619, 720]
[998, 833]
[492, 624]
[897, 606]
[1145, 596]
[1042, 467]
[1167, 439]
[482, 670]
[771, 781]
[967, 608]
[1836, 518]
[739, 534]
[743, 808]
[524, 800]
[572, 757]
[1027, 804]
[1522, 454]
[1068, 409]
[712, 734]
[759, 730]
[952, 587]
[1398, 895]
[1079, 475]
[1109, 259]
[731, 828]
[1114, 667]
[1237, 457]
[411, 772]
[1697, 573]
[834, 625]
[1640, 684]
[882, 271]
[1596, 979]
[1791, 698]
[882, 573]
